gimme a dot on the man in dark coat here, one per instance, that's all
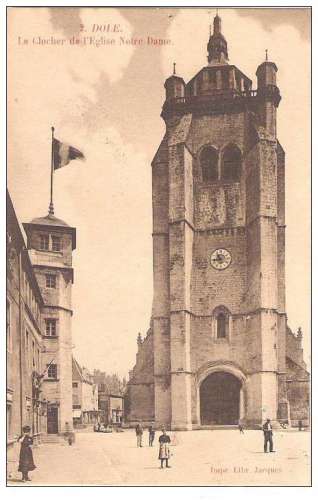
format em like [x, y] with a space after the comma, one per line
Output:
[268, 435]
[26, 462]
[139, 433]
[152, 434]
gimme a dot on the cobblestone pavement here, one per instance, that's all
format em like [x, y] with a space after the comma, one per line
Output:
[217, 457]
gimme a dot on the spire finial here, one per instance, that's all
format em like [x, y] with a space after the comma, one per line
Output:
[174, 68]
[217, 24]
[217, 46]
[266, 54]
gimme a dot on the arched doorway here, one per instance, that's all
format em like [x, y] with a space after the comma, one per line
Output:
[220, 399]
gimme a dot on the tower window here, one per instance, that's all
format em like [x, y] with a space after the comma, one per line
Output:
[221, 326]
[231, 164]
[50, 281]
[209, 164]
[52, 371]
[56, 243]
[50, 327]
[44, 242]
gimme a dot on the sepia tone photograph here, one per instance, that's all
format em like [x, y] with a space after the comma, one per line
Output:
[158, 246]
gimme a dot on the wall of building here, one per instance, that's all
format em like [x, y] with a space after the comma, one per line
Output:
[58, 305]
[139, 398]
[116, 407]
[24, 342]
[297, 381]
[88, 398]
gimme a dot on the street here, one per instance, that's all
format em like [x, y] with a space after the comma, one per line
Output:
[205, 457]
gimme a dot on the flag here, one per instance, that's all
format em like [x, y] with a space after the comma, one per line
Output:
[63, 154]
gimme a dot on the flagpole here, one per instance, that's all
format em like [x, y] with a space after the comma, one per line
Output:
[51, 207]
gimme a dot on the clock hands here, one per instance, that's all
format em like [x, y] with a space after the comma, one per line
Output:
[220, 259]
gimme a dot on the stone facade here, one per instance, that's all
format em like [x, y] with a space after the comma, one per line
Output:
[84, 396]
[24, 327]
[218, 185]
[140, 397]
[50, 242]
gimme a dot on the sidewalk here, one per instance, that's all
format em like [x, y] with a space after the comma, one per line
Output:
[222, 457]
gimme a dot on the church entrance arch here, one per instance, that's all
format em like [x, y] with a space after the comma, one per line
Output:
[220, 399]
[221, 394]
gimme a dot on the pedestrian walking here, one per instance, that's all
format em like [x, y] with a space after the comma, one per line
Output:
[164, 449]
[68, 434]
[26, 462]
[268, 435]
[139, 433]
[300, 425]
[152, 434]
[241, 428]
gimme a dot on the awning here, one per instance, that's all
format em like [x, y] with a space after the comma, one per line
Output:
[77, 413]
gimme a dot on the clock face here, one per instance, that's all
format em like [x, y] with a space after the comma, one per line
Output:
[220, 259]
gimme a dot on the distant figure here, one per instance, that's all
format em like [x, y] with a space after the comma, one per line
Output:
[268, 435]
[300, 425]
[241, 428]
[174, 440]
[68, 434]
[26, 462]
[164, 449]
[139, 433]
[152, 434]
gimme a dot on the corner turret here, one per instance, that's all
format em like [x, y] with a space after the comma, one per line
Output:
[174, 85]
[268, 93]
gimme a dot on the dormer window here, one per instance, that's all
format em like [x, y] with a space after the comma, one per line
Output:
[44, 242]
[56, 243]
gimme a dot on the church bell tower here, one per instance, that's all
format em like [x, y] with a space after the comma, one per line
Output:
[218, 319]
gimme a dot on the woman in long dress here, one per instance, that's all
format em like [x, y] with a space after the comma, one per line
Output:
[26, 462]
[164, 449]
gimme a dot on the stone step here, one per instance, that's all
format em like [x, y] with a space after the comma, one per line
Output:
[215, 427]
[51, 438]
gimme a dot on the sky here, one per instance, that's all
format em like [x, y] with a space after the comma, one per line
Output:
[106, 101]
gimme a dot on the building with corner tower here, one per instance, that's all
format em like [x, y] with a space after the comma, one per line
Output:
[50, 243]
